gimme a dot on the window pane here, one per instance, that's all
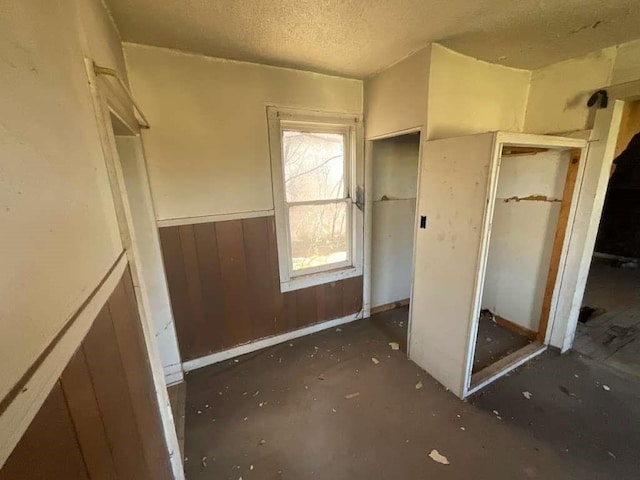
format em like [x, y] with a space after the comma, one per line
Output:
[313, 165]
[318, 234]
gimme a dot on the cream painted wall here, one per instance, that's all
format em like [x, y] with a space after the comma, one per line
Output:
[469, 96]
[522, 235]
[396, 98]
[208, 150]
[395, 176]
[559, 92]
[59, 231]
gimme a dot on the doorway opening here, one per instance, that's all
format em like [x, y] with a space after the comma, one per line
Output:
[394, 173]
[528, 222]
[609, 323]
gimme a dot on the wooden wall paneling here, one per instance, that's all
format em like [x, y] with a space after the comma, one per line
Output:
[290, 300]
[306, 307]
[321, 303]
[233, 268]
[87, 420]
[101, 351]
[279, 321]
[49, 448]
[352, 296]
[256, 240]
[197, 325]
[333, 294]
[215, 333]
[135, 360]
[177, 282]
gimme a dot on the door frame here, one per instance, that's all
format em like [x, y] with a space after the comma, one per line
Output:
[109, 101]
[554, 283]
[368, 218]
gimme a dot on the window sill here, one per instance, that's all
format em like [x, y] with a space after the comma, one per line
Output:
[311, 280]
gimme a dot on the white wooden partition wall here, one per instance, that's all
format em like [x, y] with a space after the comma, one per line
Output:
[456, 194]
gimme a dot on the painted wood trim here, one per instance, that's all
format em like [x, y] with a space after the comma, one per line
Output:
[390, 306]
[266, 342]
[222, 217]
[514, 327]
[19, 407]
[503, 366]
[559, 241]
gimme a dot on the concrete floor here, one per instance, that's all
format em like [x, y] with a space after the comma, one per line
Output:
[320, 408]
[612, 334]
[495, 342]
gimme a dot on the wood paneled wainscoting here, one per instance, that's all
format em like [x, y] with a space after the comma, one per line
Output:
[225, 288]
[102, 419]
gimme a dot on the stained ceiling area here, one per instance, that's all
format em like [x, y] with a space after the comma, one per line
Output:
[357, 38]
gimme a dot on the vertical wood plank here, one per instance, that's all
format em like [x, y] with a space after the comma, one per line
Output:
[558, 241]
[197, 325]
[102, 355]
[215, 332]
[235, 286]
[320, 302]
[256, 239]
[135, 360]
[49, 448]
[333, 300]
[87, 420]
[352, 297]
[278, 298]
[290, 310]
[177, 283]
[306, 307]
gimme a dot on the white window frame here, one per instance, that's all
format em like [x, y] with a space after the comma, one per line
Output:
[280, 119]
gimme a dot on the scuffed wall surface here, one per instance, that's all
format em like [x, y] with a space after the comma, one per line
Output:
[396, 98]
[523, 229]
[208, 150]
[59, 231]
[559, 93]
[627, 65]
[468, 96]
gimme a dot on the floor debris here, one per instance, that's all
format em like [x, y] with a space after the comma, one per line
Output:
[321, 377]
[437, 457]
[606, 388]
[394, 345]
[262, 442]
[527, 395]
[352, 395]
[375, 360]
[204, 461]
[418, 385]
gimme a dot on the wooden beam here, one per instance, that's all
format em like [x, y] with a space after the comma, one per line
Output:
[558, 241]
[514, 150]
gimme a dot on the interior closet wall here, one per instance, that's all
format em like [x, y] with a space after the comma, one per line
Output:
[395, 176]
[529, 195]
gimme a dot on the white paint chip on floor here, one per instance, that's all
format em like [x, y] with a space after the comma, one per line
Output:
[527, 395]
[394, 345]
[438, 457]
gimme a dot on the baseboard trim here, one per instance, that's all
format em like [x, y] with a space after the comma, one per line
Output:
[266, 342]
[519, 329]
[390, 306]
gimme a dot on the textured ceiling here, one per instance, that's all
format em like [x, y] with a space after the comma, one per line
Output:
[357, 38]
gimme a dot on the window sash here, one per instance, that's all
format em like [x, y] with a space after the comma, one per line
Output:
[350, 126]
[348, 262]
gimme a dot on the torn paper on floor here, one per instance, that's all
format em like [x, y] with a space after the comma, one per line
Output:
[437, 457]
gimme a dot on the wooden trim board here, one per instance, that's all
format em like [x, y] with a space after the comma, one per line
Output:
[504, 365]
[390, 306]
[558, 241]
[514, 327]
[266, 342]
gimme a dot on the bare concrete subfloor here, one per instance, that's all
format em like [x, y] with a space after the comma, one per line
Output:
[495, 342]
[612, 334]
[321, 408]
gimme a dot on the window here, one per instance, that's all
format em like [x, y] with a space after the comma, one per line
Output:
[314, 161]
